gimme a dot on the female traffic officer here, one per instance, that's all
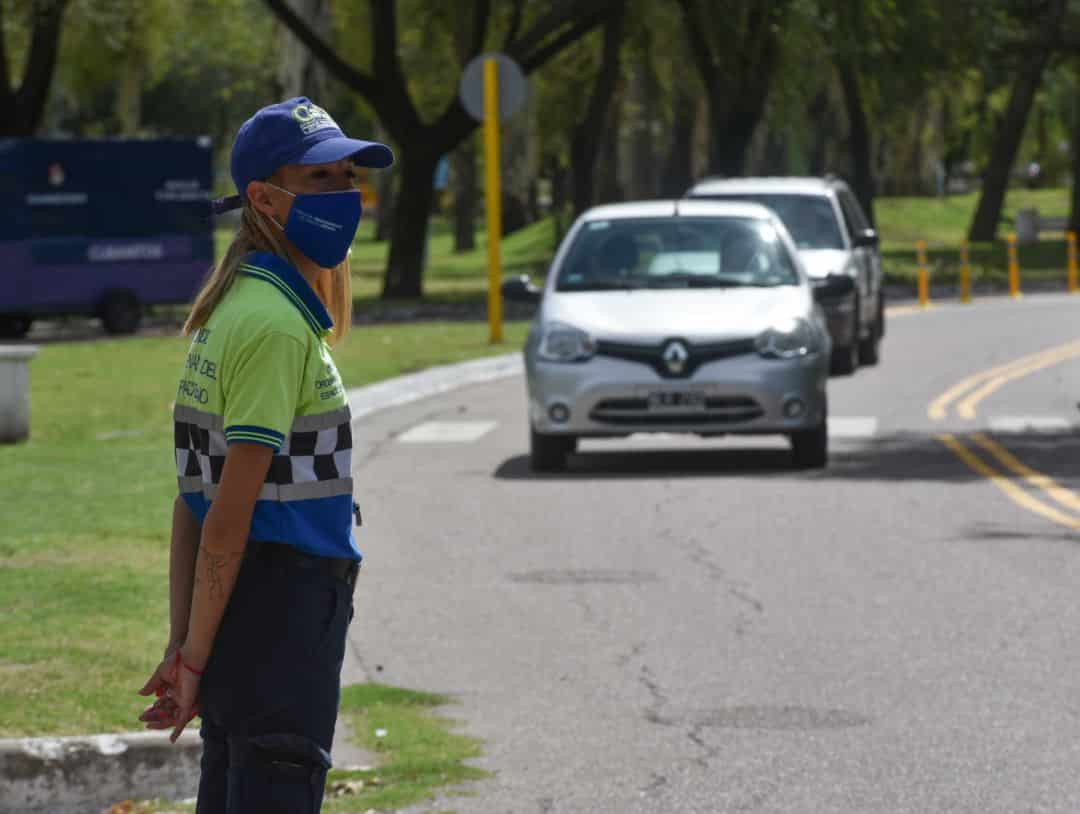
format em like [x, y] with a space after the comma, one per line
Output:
[263, 560]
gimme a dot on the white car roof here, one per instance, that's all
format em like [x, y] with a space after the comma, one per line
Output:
[684, 207]
[750, 186]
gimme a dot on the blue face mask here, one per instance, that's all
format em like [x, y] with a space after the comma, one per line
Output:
[323, 225]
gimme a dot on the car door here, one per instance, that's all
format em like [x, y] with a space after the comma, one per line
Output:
[866, 258]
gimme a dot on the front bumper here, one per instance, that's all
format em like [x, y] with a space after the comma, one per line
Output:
[745, 394]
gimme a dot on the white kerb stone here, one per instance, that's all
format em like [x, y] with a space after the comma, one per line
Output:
[15, 392]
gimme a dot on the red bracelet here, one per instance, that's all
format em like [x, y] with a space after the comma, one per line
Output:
[186, 666]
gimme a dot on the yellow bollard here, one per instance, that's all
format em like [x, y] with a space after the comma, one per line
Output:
[965, 273]
[493, 198]
[924, 275]
[1074, 283]
[1014, 267]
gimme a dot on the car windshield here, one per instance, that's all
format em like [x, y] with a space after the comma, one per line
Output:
[810, 219]
[627, 254]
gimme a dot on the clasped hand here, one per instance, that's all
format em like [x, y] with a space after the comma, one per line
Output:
[177, 689]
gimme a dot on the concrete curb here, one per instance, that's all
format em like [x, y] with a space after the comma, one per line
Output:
[85, 774]
[431, 382]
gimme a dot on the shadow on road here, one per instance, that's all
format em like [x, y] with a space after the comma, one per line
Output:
[900, 457]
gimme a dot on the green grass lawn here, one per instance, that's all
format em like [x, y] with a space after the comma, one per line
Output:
[942, 223]
[418, 753]
[84, 538]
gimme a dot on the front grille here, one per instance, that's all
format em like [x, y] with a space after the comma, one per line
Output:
[718, 410]
[653, 355]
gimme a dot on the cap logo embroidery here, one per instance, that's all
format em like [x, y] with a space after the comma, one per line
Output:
[312, 117]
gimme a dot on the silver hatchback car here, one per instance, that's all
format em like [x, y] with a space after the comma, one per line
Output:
[677, 316]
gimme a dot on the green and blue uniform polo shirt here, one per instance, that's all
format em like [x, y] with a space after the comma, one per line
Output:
[260, 371]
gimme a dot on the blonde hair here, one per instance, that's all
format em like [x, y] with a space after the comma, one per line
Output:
[258, 233]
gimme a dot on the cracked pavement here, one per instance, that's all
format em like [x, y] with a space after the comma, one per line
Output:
[687, 626]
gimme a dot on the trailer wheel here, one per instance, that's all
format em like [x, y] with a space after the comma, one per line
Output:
[120, 312]
[15, 326]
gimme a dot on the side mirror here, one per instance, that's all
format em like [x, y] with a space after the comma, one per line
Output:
[866, 239]
[833, 287]
[521, 289]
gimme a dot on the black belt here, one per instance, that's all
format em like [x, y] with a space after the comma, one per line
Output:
[344, 569]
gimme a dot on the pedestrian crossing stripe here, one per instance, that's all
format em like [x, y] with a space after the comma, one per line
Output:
[446, 432]
[852, 426]
[1030, 423]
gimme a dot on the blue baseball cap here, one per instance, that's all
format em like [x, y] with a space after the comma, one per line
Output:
[296, 131]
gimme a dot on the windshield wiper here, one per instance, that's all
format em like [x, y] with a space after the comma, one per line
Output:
[688, 280]
[603, 285]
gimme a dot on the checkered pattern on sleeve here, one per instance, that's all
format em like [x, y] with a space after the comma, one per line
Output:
[199, 452]
[318, 455]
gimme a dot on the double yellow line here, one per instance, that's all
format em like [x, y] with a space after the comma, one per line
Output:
[968, 392]
[966, 395]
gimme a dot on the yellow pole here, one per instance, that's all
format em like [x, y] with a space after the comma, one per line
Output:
[1074, 283]
[493, 197]
[924, 275]
[965, 273]
[1014, 267]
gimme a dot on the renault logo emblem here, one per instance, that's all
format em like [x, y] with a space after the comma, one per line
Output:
[675, 356]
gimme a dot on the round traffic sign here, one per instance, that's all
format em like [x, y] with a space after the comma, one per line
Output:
[513, 87]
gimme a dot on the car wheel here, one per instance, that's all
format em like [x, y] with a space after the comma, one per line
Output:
[120, 312]
[845, 358]
[547, 453]
[870, 348]
[15, 326]
[810, 448]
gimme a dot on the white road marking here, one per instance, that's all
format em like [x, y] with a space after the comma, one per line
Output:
[852, 426]
[1030, 423]
[446, 432]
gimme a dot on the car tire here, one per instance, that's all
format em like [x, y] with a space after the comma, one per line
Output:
[845, 358]
[810, 448]
[120, 312]
[870, 348]
[548, 453]
[15, 326]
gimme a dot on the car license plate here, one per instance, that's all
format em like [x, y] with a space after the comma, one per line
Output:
[677, 400]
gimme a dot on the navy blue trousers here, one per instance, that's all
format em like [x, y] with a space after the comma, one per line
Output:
[270, 692]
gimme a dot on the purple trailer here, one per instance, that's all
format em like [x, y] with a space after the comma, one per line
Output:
[102, 228]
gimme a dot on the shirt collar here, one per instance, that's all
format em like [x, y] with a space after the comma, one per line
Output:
[282, 275]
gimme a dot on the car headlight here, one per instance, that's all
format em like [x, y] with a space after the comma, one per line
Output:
[565, 343]
[786, 340]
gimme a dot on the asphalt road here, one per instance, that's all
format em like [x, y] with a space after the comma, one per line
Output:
[677, 626]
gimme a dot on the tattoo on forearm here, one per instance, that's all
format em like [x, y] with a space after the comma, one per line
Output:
[215, 564]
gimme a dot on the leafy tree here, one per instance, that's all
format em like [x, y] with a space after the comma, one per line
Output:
[532, 33]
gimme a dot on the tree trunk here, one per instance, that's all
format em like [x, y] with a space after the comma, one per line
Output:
[859, 141]
[727, 141]
[298, 72]
[1010, 132]
[1074, 209]
[643, 92]
[408, 233]
[678, 166]
[463, 173]
[585, 138]
[24, 107]
[817, 113]
[606, 187]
